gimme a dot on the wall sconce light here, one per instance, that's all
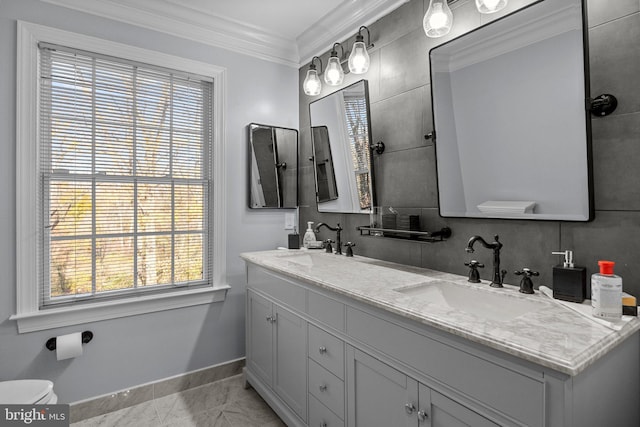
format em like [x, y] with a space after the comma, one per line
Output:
[359, 58]
[334, 74]
[490, 6]
[312, 84]
[438, 20]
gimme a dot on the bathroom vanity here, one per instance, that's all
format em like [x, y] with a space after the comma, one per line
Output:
[337, 341]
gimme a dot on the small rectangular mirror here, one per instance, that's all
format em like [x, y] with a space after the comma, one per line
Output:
[341, 135]
[273, 167]
[510, 118]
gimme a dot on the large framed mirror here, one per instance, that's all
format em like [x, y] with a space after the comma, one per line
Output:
[341, 135]
[273, 167]
[512, 131]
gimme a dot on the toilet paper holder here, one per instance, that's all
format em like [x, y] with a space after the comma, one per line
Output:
[87, 336]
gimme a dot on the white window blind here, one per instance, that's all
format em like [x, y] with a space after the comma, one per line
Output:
[125, 177]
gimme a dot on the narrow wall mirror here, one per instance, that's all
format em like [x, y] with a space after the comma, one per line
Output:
[273, 167]
[511, 124]
[341, 135]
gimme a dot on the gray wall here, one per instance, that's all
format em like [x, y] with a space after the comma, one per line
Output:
[138, 349]
[405, 173]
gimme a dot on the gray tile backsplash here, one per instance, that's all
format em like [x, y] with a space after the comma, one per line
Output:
[616, 153]
[406, 178]
[614, 57]
[398, 120]
[601, 12]
[405, 173]
[404, 64]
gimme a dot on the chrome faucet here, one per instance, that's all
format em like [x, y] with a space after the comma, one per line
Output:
[495, 246]
[337, 229]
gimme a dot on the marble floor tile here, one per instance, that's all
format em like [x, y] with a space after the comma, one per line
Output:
[209, 418]
[223, 403]
[251, 412]
[141, 415]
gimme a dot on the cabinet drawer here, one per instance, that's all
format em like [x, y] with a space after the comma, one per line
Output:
[321, 416]
[326, 310]
[276, 287]
[327, 350]
[327, 388]
[478, 378]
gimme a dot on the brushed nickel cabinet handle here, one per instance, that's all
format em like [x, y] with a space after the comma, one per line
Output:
[409, 408]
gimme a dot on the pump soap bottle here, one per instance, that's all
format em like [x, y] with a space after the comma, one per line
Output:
[569, 281]
[606, 292]
[309, 235]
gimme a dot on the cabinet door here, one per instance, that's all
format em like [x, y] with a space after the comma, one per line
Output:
[260, 337]
[290, 379]
[436, 410]
[378, 395]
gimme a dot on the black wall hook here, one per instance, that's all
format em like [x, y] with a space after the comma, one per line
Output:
[603, 105]
[51, 344]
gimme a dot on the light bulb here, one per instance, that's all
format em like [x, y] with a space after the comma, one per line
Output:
[438, 20]
[333, 74]
[359, 58]
[312, 84]
[490, 6]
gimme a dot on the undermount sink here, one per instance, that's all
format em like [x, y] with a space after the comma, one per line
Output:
[308, 259]
[478, 302]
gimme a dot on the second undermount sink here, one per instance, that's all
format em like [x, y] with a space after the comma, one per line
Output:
[478, 302]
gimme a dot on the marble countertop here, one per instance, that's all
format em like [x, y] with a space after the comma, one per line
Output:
[545, 333]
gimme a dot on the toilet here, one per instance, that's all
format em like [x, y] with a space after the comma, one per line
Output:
[28, 392]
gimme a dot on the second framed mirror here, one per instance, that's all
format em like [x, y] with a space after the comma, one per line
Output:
[273, 167]
[341, 135]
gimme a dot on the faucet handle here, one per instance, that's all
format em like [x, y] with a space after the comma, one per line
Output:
[349, 245]
[474, 275]
[527, 272]
[526, 285]
[328, 247]
[474, 264]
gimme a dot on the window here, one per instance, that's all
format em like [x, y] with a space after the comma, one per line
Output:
[121, 186]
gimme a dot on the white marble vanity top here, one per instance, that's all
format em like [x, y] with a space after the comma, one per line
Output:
[532, 327]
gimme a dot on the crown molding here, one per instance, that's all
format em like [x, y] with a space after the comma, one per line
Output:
[181, 21]
[193, 24]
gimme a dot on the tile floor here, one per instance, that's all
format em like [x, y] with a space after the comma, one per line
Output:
[223, 403]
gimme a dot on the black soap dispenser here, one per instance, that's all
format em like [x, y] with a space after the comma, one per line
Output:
[569, 281]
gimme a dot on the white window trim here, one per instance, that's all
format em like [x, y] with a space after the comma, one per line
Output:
[28, 314]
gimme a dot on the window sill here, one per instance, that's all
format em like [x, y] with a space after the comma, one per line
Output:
[67, 316]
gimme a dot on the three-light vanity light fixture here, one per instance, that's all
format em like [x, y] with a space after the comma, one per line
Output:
[334, 73]
[438, 20]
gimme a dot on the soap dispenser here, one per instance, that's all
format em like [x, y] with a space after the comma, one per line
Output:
[309, 235]
[569, 281]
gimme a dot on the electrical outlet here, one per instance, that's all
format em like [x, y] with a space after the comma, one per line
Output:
[289, 220]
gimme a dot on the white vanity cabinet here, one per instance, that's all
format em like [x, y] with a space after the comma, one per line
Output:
[277, 350]
[326, 378]
[381, 395]
[321, 357]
